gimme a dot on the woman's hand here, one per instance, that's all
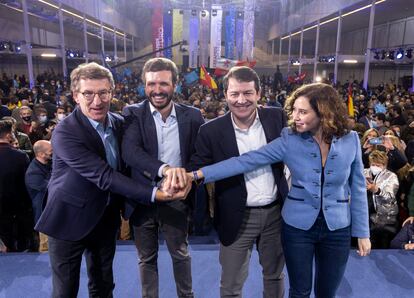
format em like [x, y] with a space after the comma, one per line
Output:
[364, 247]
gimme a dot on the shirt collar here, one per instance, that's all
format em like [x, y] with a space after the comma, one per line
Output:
[95, 124]
[255, 122]
[154, 110]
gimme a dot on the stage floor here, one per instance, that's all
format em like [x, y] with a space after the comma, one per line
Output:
[384, 274]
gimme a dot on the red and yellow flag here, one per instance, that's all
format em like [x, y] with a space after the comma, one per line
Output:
[350, 101]
[206, 79]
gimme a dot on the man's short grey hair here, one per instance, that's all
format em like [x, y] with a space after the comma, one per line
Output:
[91, 71]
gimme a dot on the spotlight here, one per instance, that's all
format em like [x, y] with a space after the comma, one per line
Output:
[169, 11]
[376, 57]
[18, 48]
[240, 14]
[391, 55]
[400, 54]
[71, 55]
[409, 53]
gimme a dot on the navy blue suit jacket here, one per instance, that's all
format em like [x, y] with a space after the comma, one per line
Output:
[216, 141]
[82, 183]
[140, 145]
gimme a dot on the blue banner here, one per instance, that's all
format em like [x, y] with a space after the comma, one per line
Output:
[239, 37]
[167, 28]
[191, 78]
[193, 42]
[230, 25]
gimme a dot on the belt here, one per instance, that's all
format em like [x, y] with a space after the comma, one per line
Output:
[272, 204]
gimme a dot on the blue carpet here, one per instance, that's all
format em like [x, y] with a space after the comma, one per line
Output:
[385, 273]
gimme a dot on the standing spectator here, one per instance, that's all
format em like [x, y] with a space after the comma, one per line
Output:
[380, 120]
[22, 138]
[36, 179]
[16, 224]
[382, 185]
[160, 134]
[4, 110]
[25, 125]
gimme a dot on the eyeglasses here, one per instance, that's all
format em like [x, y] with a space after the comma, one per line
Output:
[104, 95]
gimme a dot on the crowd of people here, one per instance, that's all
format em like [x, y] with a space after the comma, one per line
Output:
[31, 132]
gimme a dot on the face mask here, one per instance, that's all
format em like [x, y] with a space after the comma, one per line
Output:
[27, 118]
[375, 170]
[42, 119]
[61, 117]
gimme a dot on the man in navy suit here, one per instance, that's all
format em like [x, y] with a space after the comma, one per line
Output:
[247, 209]
[159, 136]
[82, 213]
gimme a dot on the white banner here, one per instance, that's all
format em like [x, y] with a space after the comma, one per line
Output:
[204, 35]
[215, 34]
[193, 41]
[248, 29]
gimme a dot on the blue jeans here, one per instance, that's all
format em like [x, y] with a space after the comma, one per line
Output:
[330, 250]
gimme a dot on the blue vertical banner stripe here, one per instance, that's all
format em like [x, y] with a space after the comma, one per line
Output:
[193, 40]
[167, 27]
[239, 36]
[230, 31]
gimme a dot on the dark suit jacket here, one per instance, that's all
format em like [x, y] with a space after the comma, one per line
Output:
[37, 178]
[13, 194]
[216, 141]
[82, 183]
[140, 145]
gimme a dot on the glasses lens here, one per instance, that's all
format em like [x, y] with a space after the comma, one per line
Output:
[103, 94]
[88, 94]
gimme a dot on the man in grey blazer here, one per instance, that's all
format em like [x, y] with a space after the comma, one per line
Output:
[160, 134]
[247, 207]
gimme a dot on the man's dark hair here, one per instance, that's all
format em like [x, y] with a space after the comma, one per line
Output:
[381, 116]
[160, 64]
[5, 128]
[241, 74]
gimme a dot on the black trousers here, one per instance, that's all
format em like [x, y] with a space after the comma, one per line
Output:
[99, 248]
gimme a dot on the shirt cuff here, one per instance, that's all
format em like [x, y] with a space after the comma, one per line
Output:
[153, 194]
[161, 169]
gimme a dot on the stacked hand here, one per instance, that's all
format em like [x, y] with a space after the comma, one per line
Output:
[175, 186]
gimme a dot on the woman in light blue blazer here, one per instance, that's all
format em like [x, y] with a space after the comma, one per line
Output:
[327, 203]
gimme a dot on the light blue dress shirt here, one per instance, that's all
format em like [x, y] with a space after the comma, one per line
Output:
[109, 140]
[168, 139]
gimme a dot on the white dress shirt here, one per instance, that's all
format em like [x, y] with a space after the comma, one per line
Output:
[260, 184]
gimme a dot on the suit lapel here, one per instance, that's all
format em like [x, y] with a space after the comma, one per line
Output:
[227, 139]
[150, 131]
[183, 131]
[269, 126]
[92, 138]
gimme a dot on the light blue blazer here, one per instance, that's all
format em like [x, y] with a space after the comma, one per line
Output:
[343, 195]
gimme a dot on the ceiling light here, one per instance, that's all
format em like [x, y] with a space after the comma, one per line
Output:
[49, 55]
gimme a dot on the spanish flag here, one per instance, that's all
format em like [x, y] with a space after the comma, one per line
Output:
[350, 101]
[206, 79]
